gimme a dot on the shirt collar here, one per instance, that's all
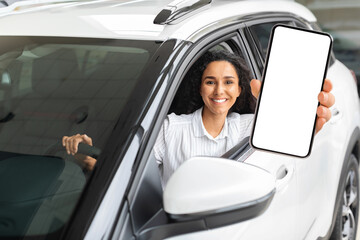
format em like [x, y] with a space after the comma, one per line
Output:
[200, 131]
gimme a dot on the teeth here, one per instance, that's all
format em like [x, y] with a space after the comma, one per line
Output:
[219, 100]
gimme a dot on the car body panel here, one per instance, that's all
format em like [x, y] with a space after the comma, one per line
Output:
[333, 138]
[129, 19]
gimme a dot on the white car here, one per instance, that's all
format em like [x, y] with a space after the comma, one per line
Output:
[112, 70]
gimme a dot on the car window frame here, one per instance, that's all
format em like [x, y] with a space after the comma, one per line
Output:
[254, 44]
[86, 210]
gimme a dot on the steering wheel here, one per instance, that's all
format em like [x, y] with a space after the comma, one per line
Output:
[83, 148]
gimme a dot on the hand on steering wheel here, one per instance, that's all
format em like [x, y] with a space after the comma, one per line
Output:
[71, 144]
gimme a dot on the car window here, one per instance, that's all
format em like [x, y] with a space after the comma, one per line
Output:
[49, 88]
[261, 33]
[179, 106]
[151, 176]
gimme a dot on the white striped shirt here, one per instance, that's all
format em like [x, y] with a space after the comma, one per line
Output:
[184, 136]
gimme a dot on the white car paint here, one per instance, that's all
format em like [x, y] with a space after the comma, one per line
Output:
[126, 20]
[198, 180]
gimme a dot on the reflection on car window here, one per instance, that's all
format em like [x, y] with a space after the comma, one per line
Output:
[51, 87]
[261, 32]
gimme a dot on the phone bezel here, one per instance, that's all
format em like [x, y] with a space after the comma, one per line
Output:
[262, 85]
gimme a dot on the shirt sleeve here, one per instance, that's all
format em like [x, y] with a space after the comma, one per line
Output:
[160, 144]
[248, 124]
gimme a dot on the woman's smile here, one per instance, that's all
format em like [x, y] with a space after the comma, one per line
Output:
[219, 100]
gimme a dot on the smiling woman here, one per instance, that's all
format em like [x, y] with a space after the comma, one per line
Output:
[190, 89]
[218, 89]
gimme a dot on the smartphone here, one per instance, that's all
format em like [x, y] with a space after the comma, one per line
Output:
[294, 73]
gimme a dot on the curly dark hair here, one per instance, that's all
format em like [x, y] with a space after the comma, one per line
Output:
[188, 99]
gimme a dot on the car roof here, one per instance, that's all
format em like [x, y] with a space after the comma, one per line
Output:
[130, 19]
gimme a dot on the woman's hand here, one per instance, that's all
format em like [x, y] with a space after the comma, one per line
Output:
[325, 98]
[71, 145]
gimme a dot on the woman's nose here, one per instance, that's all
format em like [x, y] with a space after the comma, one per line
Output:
[219, 89]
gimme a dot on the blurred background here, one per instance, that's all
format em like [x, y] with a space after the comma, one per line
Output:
[340, 18]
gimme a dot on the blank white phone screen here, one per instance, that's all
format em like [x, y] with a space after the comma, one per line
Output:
[293, 77]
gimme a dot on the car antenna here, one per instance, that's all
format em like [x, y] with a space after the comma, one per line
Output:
[179, 8]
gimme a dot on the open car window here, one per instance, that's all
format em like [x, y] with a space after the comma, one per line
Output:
[148, 193]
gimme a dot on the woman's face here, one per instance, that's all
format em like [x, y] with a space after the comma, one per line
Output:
[219, 87]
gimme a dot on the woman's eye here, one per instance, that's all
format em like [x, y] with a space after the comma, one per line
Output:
[229, 82]
[209, 82]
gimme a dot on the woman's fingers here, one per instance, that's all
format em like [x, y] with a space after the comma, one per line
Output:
[87, 139]
[255, 87]
[319, 124]
[63, 140]
[71, 143]
[326, 98]
[75, 143]
[65, 143]
[323, 112]
[327, 87]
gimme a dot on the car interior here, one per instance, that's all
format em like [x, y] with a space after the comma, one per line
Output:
[48, 91]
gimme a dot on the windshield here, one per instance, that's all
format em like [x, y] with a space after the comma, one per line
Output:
[50, 88]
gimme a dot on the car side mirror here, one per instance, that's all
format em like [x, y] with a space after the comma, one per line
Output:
[219, 191]
[206, 193]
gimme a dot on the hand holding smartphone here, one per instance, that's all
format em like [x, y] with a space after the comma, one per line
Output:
[294, 74]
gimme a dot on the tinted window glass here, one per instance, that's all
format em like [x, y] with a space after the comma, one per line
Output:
[49, 88]
[261, 33]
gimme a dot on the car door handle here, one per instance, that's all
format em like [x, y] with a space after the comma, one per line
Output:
[336, 115]
[283, 176]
